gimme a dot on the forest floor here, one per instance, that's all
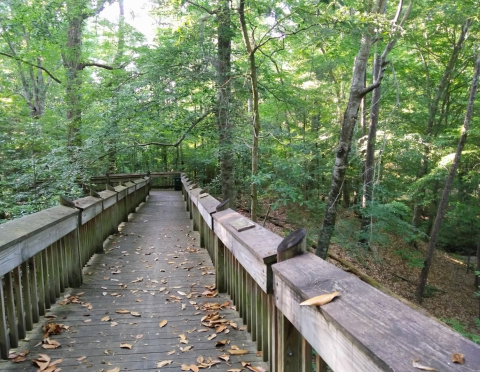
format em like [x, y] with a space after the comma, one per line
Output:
[450, 295]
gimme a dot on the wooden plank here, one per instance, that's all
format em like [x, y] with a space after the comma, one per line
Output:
[51, 274]
[34, 297]
[307, 356]
[46, 280]
[27, 297]
[346, 332]
[23, 238]
[89, 207]
[243, 247]
[19, 304]
[4, 336]
[220, 269]
[11, 311]
[242, 224]
[40, 283]
[109, 198]
[122, 192]
[56, 269]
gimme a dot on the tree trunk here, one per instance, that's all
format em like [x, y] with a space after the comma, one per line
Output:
[256, 116]
[433, 108]
[379, 64]
[448, 185]
[477, 276]
[357, 92]
[72, 62]
[224, 125]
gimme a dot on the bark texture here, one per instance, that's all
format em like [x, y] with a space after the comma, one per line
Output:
[224, 124]
[448, 185]
[251, 49]
[357, 92]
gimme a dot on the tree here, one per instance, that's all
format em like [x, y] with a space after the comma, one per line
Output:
[357, 92]
[448, 184]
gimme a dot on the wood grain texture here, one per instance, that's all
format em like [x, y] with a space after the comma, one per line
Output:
[4, 337]
[122, 192]
[164, 252]
[109, 198]
[23, 238]
[347, 331]
[90, 207]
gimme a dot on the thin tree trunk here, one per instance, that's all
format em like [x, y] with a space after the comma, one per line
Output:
[477, 276]
[379, 64]
[433, 107]
[357, 92]
[224, 125]
[448, 185]
[72, 62]
[256, 116]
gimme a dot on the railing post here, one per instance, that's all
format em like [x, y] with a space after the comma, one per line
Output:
[4, 337]
[291, 346]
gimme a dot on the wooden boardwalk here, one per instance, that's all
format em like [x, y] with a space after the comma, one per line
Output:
[152, 291]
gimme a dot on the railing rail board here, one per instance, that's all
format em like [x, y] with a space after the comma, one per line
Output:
[43, 253]
[362, 330]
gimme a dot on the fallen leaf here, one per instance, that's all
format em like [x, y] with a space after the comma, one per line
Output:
[422, 367]
[81, 358]
[211, 337]
[116, 369]
[164, 363]
[185, 349]
[185, 367]
[458, 358]
[237, 351]
[225, 357]
[320, 300]
[193, 368]
[125, 346]
[134, 313]
[106, 319]
[122, 311]
[171, 352]
[163, 323]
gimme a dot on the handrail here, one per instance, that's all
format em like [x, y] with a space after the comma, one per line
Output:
[43, 253]
[362, 330]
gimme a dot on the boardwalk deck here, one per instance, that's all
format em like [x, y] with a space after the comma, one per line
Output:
[155, 268]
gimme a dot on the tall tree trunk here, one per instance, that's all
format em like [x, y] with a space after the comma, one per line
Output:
[448, 185]
[477, 276]
[256, 116]
[72, 62]
[379, 64]
[357, 92]
[224, 125]
[443, 86]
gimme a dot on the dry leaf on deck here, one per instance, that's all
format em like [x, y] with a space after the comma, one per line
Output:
[422, 367]
[320, 300]
[164, 363]
[163, 323]
[186, 348]
[458, 358]
[126, 346]
[81, 358]
[211, 337]
[237, 351]
[185, 367]
[123, 311]
[183, 339]
[106, 319]
[134, 313]
[116, 369]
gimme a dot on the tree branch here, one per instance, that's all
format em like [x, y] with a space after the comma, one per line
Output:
[31, 64]
[182, 137]
[211, 12]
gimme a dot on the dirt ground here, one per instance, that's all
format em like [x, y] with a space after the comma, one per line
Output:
[452, 295]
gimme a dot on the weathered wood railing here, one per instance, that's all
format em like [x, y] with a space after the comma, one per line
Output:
[44, 253]
[160, 180]
[362, 330]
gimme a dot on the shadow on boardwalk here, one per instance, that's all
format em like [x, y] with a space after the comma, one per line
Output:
[152, 292]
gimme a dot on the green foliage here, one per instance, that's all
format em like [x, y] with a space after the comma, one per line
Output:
[413, 258]
[460, 328]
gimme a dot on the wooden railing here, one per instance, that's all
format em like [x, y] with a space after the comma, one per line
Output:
[158, 180]
[361, 330]
[44, 253]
